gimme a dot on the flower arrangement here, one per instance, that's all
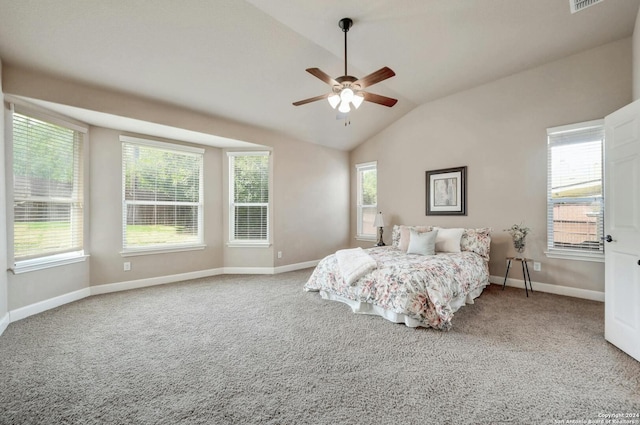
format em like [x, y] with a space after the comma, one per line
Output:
[518, 233]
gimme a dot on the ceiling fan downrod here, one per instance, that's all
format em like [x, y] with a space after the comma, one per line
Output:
[345, 24]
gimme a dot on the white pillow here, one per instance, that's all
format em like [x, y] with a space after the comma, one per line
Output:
[422, 243]
[405, 235]
[448, 240]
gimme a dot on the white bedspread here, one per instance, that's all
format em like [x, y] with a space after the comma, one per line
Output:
[354, 263]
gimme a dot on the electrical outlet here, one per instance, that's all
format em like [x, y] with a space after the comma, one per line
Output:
[537, 266]
[127, 266]
[279, 254]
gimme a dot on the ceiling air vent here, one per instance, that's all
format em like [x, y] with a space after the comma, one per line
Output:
[578, 5]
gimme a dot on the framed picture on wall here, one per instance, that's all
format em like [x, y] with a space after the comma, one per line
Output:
[447, 191]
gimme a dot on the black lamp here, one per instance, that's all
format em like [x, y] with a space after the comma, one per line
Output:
[379, 223]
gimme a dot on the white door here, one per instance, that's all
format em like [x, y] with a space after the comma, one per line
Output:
[622, 229]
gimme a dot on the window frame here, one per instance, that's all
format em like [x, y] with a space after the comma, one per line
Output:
[128, 251]
[573, 253]
[47, 260]
[360, 169]
[247, 243]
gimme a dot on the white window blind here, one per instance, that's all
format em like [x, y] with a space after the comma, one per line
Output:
[162, 195]
[367, 199]
[249, 196]
[47, 188]
[575, 189]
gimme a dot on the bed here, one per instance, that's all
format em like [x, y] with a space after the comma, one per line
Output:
[407, 287]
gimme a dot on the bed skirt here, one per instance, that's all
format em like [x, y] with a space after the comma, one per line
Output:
[366, 308]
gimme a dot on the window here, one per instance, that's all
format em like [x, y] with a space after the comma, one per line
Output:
[162, 196]
[367, 199]
[47, 164]
[249, 198]
[574, 194]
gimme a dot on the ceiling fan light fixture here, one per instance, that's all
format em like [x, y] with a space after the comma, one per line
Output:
[357, 100]
[334, 99]
[346, 95]
[344, 107]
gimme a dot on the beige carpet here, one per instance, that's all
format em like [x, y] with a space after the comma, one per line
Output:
[257, 349]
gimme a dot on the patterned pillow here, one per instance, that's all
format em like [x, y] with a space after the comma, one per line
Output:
[477, 240]
[401, 235]
[395, 235]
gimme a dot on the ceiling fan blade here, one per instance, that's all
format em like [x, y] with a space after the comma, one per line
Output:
[375, 77]
[311, 99]
[316, 72]
[380, 100]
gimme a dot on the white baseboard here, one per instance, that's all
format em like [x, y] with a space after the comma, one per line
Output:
[552, 289]
[23, 312]
[4, 322]
[248, 270]
[39, 307]
[271, 270]
[152, 281]
[294, 267]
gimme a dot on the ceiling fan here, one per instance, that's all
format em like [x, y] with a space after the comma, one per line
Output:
[346, 90]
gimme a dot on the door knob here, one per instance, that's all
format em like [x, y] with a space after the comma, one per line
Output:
[608, 238]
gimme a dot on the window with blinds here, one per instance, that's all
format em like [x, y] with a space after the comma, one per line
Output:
[162, 195]
[367, 199]
[575, 188]
[249, 196]
[47, 187]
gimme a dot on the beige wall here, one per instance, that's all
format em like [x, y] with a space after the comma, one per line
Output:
[310, 202]
[4, 306]
[310, 194]
[33, 287]
[636, 58]
[311, 197]
[106, 217]
[498, 130]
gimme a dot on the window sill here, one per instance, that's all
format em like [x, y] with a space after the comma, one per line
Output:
[366, 238]
[575, 255]
[248, 244]
[35, 264]
[132, 252]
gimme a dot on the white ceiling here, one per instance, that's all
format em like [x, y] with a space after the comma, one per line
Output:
[245, 60]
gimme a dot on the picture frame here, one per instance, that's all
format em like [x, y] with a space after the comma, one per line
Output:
[447, 191]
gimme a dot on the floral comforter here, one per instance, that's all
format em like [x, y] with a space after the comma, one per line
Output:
[420, 287]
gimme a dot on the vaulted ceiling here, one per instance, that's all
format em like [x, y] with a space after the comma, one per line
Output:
[246, 60]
